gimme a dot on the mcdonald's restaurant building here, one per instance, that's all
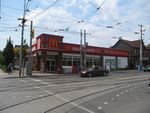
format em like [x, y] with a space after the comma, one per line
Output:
[51, 54]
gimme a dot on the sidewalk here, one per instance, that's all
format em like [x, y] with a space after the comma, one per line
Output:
[122, 73]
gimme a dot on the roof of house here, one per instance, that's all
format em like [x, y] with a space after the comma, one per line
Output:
[135, 43]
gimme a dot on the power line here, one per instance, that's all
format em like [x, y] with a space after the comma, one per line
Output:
[44, 10]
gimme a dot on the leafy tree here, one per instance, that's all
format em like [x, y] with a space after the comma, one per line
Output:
[8, 52]
[1, 59]
[24, 50]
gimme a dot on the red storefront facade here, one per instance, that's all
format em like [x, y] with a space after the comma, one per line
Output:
[50, 54]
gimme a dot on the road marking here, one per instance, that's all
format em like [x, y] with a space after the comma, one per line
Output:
[41, 95]
[83, 108]
[99, 107]
[122, 93]
[57, 96]
[105, 103]
[36, 80]
[117, 95]
[112, 98]
[28, 96]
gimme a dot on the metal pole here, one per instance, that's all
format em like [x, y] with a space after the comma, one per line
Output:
[30, 54]
[81, 52]
[22, 36]
[84, 49]
[141, 47]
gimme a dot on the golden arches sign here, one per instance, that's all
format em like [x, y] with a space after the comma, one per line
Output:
[53, 43]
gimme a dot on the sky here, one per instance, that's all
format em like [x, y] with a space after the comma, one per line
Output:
[104, 20]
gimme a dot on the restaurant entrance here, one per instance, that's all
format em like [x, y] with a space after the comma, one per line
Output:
[50, 65]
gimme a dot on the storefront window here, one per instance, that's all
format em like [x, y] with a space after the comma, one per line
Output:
[76, 60]
[97, 61]
[67, 60]
[89, 62]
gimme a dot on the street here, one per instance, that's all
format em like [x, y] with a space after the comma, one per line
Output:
[120, 92]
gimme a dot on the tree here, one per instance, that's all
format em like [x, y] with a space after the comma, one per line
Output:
[1, 59]
[24, 50]
[8, 52]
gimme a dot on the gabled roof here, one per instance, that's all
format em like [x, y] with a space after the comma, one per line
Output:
[134, 44]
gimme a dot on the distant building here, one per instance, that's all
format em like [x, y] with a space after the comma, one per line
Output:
[51, 54]
[133, 47]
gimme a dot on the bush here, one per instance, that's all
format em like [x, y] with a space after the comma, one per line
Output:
[4, 68]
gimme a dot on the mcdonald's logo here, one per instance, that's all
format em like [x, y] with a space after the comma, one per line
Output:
[52, 43]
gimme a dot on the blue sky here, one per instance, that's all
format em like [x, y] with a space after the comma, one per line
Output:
[123, 15]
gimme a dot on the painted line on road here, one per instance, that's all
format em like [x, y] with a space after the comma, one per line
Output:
[105, 103]
[100, 108]
[122, 93]
[36, 80]
[117, 95]
[59, 97]
[112, 98]
[72, 103]
[28, 96]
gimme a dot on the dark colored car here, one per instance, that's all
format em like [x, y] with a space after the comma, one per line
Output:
[149, 82]
[95, 71]
[147, 68]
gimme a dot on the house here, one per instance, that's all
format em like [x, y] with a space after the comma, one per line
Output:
[133, 47]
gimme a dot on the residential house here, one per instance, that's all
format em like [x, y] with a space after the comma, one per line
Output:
[133, 47]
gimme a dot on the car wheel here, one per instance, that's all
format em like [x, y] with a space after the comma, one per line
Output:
[90, 74]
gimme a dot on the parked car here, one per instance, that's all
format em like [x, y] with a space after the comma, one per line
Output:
[147, 68]
[149, 82]
[95, 71]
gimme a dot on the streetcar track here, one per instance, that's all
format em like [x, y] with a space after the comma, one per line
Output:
[84, 87]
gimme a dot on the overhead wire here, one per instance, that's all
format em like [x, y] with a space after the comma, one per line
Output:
[83, 19]
[44, 10]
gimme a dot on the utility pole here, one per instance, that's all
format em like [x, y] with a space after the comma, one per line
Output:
[30, 54]
[22, 37]
[141, 46]
[81, 51]
[85, 44]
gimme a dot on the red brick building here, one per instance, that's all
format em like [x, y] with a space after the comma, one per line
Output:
[50, 54]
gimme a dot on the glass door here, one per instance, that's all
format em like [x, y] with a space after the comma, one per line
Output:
[52, 66]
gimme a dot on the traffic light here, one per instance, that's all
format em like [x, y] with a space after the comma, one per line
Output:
[33, 31]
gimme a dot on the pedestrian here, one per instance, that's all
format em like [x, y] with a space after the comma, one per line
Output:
[9, 68]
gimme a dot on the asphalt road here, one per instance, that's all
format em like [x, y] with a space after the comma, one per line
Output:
[118, 93]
